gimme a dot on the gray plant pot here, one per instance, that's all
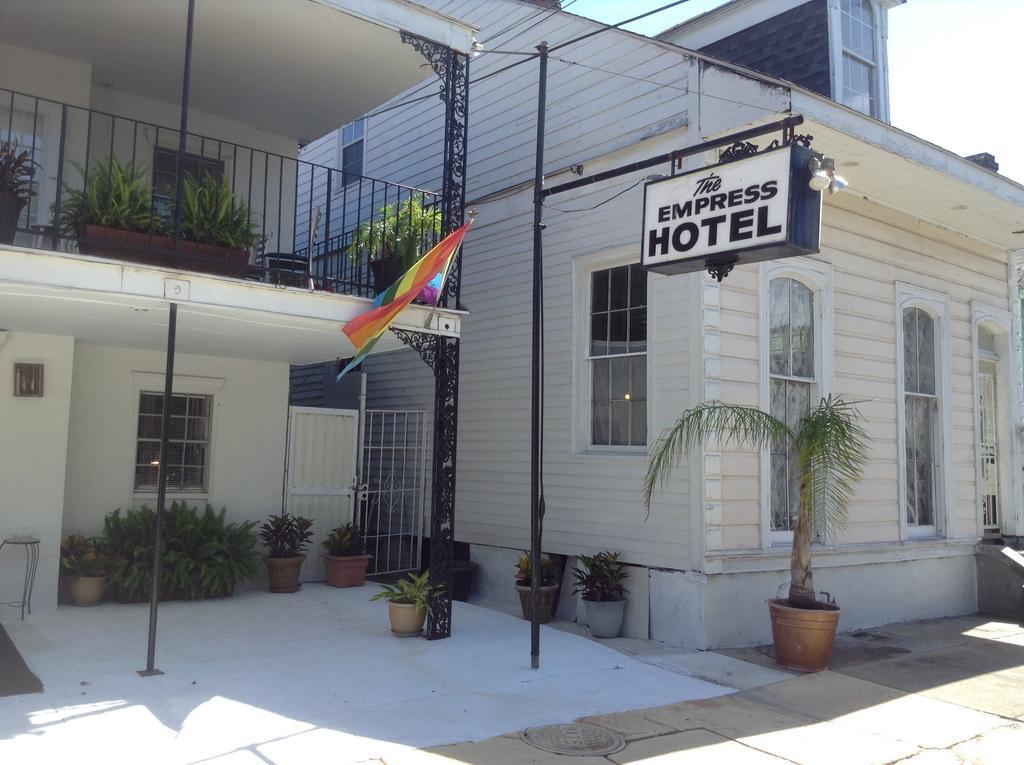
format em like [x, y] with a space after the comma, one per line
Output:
[605, 618]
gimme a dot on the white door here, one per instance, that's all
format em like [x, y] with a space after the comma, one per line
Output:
[322, 448]
[989, 448]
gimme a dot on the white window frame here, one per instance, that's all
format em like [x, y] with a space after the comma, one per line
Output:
[817, 277]
[143, 382]
[936, 304]
[583, 266]
[879, 9]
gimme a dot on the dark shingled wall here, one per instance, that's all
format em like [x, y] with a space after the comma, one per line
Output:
[792, 46]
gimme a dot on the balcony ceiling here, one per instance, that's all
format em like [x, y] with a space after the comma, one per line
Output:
[299, 68]
[125, 305]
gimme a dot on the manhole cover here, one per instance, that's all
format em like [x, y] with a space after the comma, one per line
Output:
[575, 738]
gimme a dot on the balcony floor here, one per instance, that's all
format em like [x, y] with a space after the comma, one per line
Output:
[309, 677]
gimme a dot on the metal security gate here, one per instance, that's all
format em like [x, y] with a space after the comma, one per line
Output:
[321, 469]
[394, 473]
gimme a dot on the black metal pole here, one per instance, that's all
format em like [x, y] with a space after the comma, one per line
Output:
[161, 491]
[186, 86]
[537, 376]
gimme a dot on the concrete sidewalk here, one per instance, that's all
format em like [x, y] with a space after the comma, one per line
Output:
[928, 693]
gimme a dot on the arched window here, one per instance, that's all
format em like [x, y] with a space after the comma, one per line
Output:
[791, 380]
[860, 56]
[921, 419]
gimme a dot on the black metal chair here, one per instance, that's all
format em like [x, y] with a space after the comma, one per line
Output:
[286, 268]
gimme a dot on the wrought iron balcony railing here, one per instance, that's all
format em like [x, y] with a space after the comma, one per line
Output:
[105, 185]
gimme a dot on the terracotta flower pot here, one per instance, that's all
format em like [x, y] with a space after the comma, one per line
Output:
[86, 590]
[406, 619]
[346, 570]
[284, 573]
[548, 601]
[158, 250]
[803, 636]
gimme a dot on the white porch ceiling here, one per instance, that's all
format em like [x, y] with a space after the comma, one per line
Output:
[123, 305]
[299, 68]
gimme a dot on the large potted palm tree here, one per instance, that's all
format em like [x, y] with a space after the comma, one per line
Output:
[832, 450]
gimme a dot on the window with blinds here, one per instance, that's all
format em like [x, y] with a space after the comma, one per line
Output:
[188, 448]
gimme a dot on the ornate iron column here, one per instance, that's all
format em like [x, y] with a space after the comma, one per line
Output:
[441, 353]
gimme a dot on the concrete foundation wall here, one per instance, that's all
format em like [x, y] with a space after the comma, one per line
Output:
[736, 610]
[693, 611]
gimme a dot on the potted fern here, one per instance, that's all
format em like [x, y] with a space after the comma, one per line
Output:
[16, 172]
[344, 560]
[286, 537]
[832, 450]
[112, 214]
[217, 228]
[600, 584]
[409, 601]
[85, 567]
[394, 240]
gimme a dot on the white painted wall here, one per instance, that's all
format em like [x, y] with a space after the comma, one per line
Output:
[42, 74]
[248, 433]
[33, 452]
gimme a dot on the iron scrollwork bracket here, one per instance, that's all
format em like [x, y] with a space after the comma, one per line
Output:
[738, 150]
[424, 343]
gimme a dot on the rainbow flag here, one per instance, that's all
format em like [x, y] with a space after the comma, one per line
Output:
[365, 330]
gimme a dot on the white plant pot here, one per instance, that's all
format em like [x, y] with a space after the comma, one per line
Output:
[605, 618]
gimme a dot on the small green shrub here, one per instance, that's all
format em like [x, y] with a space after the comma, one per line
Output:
[524, 571]
[80, 556]
[343, 541]
[403, 232]
[412, 590]
[212, 214]
[601, 577]
[286, 535]
[203, 555]
[113, 195]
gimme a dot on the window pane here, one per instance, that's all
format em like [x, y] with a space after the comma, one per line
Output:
[619, 287]
[620, 378]
[147, 453]
[637, 286]
[145, 477]
[599, 334]
[910, 340]
[599, 423]
[637, 330]
[188, 447]
[601, 390]
[638, 378]
[925, 498]
[778, 313]
[620, 423]
[638, 423]
[926, 353]
[599, 291]
[802, 330]
[780, 492]
[149, 426]
[617, 331]
[352, 162]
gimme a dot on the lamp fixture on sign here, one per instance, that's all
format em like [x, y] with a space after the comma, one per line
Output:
[824, 176]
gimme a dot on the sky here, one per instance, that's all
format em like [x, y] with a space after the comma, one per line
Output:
[955, 68]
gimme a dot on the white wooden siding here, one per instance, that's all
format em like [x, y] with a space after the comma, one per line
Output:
[871, 249]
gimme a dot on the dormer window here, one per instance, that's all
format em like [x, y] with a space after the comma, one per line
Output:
[859, 56]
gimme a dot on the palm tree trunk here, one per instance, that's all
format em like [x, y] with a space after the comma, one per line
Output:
[801, 580]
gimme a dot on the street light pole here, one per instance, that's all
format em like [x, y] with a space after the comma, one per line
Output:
[537, 373]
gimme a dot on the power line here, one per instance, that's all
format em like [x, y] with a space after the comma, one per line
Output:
[616, 195]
